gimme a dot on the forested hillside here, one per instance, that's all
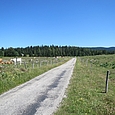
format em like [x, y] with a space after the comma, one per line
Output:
[103, 48]
[52, 51]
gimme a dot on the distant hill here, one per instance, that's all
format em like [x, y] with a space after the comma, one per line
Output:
[103, 48]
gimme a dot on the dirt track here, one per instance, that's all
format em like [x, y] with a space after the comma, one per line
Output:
[39, 96]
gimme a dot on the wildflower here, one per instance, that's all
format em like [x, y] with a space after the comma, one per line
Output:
[81, 99]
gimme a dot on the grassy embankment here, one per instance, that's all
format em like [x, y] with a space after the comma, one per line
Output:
[13, 75]
[86, 92]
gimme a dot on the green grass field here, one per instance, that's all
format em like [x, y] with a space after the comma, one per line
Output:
[13, 75]
[86, 92]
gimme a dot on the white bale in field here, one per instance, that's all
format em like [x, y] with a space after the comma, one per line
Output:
[15, 60]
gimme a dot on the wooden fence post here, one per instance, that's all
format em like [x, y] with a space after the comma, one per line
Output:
[40, 63]
[16, 63]
[25, 65]
[107, 78]
[33, 64]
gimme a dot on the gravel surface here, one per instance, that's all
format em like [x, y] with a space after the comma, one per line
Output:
[39, 96]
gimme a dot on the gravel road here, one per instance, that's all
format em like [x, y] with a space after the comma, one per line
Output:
[39, 96]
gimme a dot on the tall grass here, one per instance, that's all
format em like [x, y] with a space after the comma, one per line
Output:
[86, 92]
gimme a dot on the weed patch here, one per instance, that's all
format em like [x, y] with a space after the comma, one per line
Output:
[86, 92]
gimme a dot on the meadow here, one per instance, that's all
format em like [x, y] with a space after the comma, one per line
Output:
[86, 92]
[12, 75]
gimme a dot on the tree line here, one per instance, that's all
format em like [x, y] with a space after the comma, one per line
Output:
[51, 51]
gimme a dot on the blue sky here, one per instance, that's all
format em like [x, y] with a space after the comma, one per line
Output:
[82, 23]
